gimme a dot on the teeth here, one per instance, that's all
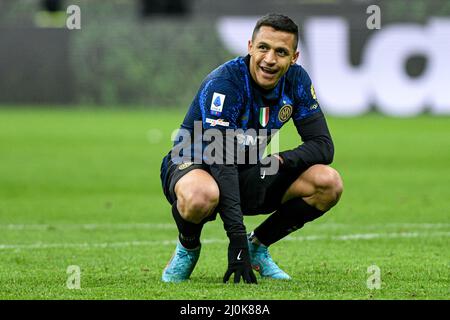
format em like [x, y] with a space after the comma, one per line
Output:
[266, 70]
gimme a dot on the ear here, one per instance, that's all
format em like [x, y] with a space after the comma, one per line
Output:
[295, 57]
[249, 46]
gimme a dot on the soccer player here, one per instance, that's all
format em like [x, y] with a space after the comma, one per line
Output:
[260, 91]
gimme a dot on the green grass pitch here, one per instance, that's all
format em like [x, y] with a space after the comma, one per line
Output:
[81, 187]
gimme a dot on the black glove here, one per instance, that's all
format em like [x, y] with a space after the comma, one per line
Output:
[239, 260]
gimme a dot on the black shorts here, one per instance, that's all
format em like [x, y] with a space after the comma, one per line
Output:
[260, 194]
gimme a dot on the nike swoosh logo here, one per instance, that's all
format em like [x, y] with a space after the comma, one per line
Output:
[263, 175]
[239, 256]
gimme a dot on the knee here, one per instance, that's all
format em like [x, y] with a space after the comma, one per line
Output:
[198, 203]
[329, 181]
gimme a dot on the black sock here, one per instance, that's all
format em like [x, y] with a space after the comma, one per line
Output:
[189, 233]
[291, 216]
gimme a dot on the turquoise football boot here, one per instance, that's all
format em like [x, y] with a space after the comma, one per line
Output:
[262, 262]
[181, 265]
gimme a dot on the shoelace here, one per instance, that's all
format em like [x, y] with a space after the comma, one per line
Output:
[180, 266]
[268, 259]
[267, 255]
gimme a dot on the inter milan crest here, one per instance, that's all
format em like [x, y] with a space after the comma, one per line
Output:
[264, 116]
[285, 113]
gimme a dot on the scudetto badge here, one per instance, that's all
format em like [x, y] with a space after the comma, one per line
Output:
[285, 113]
[185, 165]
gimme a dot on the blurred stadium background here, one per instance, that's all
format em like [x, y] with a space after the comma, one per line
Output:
[142, 52]
[86, 116]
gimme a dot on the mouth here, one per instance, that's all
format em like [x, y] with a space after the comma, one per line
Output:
[268, 72]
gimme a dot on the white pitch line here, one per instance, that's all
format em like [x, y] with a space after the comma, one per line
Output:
[168, 226]
[348, 237]
[91, 226]
[370, 236]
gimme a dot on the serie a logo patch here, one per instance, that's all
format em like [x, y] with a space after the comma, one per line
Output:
[217, 103]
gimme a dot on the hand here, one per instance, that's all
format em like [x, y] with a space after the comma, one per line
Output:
[239, 260]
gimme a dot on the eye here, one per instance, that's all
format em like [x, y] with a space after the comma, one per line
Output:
[263, 47]
[282, 52]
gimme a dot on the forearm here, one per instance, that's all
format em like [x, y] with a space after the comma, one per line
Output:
[317, 148]
[317, 151]
[227, 179]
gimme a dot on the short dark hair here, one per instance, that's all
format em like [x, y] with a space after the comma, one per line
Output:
[280, 23]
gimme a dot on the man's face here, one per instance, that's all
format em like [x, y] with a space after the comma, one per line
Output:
[271, 54]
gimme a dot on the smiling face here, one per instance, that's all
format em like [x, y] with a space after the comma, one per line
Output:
[271, 53]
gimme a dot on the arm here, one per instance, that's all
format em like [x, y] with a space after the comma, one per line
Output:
[220, 109]
[227, 178]
[317, 147]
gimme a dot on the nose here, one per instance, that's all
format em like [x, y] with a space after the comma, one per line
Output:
[270, 57]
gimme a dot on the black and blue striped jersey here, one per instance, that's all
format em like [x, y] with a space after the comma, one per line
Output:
[228, 98]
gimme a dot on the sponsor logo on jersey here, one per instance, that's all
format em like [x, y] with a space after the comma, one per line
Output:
[250, 140]
[217, 122]
[185, 165]
[217, 102]
[285, 113]
[264, 116]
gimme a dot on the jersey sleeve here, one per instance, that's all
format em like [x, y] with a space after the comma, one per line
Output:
[306, 101]
[317, 147]
[220, 104]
